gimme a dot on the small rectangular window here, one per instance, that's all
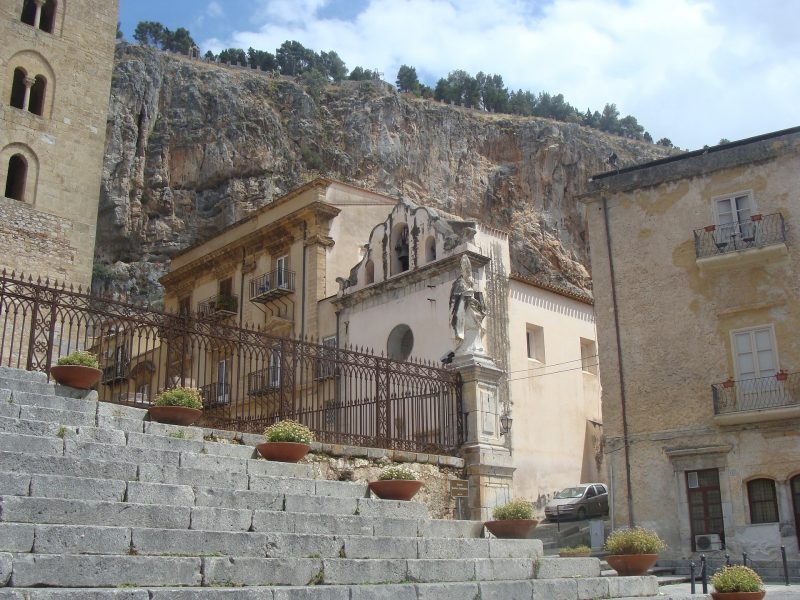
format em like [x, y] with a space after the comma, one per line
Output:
[226, 287]
[763, 501]
[588, 356]
[535, 342]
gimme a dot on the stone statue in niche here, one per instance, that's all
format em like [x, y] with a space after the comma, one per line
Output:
[467, 312]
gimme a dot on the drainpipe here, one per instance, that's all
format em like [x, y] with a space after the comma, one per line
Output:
[303, 280]
[625, 439]
[241, 289]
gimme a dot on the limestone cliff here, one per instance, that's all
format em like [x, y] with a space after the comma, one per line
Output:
[193, 147]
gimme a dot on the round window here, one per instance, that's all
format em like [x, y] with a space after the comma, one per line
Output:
[400, 343]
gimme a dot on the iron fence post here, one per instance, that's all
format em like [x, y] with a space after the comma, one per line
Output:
[704, 573]
[785, 566]
[691, 577]
[744, 558]
[727, 560]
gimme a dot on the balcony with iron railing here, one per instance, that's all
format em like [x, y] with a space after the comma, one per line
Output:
[264, 381]
[758, 240]
[115, 372]
[772, 398]
[218, 307]
[215, 395]
[269, 286]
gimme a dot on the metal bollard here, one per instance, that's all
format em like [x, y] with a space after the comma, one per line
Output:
[744, 558]
[691, 578]
[785, 566]
[704, 573]
[727, 560]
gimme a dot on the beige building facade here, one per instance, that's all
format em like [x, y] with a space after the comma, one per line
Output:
[695, 265]
[353, 268]
[56, 60]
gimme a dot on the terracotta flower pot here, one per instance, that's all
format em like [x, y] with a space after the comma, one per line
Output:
[631, 564]
[738, 595]
[76, 376]
[174, 415]
[515, 529]
[395, 489]
[290, 452]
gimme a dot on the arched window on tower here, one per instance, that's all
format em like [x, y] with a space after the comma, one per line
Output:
[15, 179]
[29, 12]
[38, 90]
[400, 249]
[430, 249]
[18, 88]
[47, 20]
[369, 272]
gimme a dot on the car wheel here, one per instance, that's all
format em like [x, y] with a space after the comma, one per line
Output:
[581, 514]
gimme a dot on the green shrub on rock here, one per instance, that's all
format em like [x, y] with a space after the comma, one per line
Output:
[635, 540]
[289, 431]
[397, 472]
[736, 578]
[79, 358]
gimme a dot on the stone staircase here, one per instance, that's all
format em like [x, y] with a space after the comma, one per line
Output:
[97, 502]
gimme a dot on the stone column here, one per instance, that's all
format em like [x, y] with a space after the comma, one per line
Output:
[38, 18]
[28, 81]
[486, 458]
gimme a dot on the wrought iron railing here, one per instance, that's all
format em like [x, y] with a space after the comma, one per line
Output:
[345, 396]
[776, 391]
[757, 232]
[219, 306]
[276, 283]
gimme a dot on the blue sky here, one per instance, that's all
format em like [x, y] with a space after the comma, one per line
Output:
[691, 70]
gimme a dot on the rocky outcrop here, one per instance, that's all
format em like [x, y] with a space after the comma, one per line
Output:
[192, 147]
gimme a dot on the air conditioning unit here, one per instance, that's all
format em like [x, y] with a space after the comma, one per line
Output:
[707, 541]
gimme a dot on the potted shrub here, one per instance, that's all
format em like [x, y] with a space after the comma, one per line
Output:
[287, 441]
[633, 551]
[512, 520]
[737, 582]
[177, 406]
[79, 369]
[396, 482]
[575, 551]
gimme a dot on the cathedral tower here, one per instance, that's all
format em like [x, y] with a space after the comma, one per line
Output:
[56, 60]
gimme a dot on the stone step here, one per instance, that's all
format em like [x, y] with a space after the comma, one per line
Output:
[486, 590]
[371, 521]
[93, 539]
[70, 570]
[21, 374]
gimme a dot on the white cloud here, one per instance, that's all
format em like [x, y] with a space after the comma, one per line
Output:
[214, 10]
[692, 70]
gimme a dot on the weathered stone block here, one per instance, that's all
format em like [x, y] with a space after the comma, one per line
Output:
[159, 493]
[555, 568]
[429, 570]
[283, 485]
[632, 586]
[554, 589]
[187, 433]
[260, 571]
[32, 444]
[592, 587]
[15, 462]
[340, 489]
[321, 505]
[241, 499]
[493, 569]
[443, 528]
[515, 548]
[221, 519]
[453, 548]
[448, 591]
[381, 547]
[197, 477]
[272, 521]
[239, 593]
[317, 592]
[288, 545]
[77, 488]
[390, 527]
[506, 590]
[103, 571]
[391, 508]
[16, 537]
[51, 415]
[346, 571]
[270, 468]
[198, 543]
[14, 484]
[81, 539]
[384, 592]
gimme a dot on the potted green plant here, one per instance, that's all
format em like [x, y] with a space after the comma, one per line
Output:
[512, 520]
[737, 582]
[633, 551]
[395, 482]
[575, 551]
[79, 369]
[287, 441]
[177, 406]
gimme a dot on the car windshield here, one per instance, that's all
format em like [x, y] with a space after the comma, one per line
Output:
[573, 492]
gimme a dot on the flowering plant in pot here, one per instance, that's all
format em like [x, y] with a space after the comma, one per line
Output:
[395, 482]
[79, 369]
[737, 582]
[287, 441]
[575, 551]
[177, 406]
[633, 551]
[512, 520]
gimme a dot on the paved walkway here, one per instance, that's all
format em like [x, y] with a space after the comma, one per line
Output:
[774, 591]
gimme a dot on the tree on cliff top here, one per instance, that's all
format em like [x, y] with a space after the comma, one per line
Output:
[407, 80]
[153, 33]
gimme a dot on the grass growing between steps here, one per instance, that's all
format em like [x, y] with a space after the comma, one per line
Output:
[318, 578]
